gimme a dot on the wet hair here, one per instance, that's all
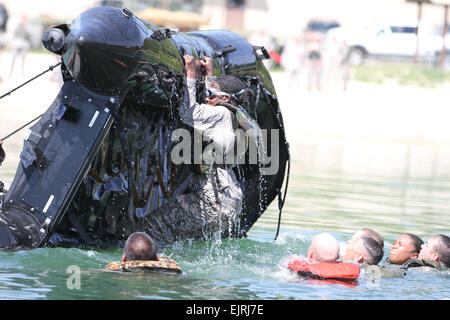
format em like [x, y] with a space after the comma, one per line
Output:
[374, 250]
[241, 94]
[325, 248]
[416, 241]
[139, 246]
[374, 235]
[443, 249]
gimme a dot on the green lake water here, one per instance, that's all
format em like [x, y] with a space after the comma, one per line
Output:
[331, 189]
[337, 186]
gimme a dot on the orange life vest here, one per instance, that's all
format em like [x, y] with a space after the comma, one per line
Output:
[323, 270]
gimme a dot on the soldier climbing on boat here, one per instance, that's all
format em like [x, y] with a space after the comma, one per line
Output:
[97, 165]
[213, 203]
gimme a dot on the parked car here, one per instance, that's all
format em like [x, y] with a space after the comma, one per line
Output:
[389, 41]
[321, 25]
[317, 29]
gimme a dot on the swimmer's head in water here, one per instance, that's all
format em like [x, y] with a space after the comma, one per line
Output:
[324, 248]
[139, 246]
[405, 247]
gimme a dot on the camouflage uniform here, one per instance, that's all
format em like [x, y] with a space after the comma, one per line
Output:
[214, 202]
[414, 263]
[383, 271]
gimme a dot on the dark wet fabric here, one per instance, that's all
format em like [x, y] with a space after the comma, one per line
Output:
[384, 271]
[2, 155]
[193, 216]
[415, 263]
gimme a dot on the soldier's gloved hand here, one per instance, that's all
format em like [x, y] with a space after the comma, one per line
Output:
[189, 64]
[208, 65]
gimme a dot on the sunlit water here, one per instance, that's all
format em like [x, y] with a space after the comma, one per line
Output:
[323, 196]
[336, 186]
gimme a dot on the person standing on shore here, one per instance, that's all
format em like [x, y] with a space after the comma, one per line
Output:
[2, 153]
[20, 45]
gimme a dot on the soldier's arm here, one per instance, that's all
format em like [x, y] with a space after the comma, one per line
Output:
[208, 66]
[193, 113]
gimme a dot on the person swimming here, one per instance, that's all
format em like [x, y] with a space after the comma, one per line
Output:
[139, 255]
[435, 253]
[407, 246]
[139, 246]
[322, 261]
[324, 248]
[2, 153]
[365, 246]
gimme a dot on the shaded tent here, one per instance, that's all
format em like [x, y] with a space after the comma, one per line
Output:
[173, 19]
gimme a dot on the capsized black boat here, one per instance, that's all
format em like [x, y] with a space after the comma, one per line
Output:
[100, 155]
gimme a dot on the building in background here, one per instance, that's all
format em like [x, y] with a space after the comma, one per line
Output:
[282, 19]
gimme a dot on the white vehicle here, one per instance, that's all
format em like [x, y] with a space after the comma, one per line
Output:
[389, 41]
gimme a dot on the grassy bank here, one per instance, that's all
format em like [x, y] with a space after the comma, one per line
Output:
[404, 73]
